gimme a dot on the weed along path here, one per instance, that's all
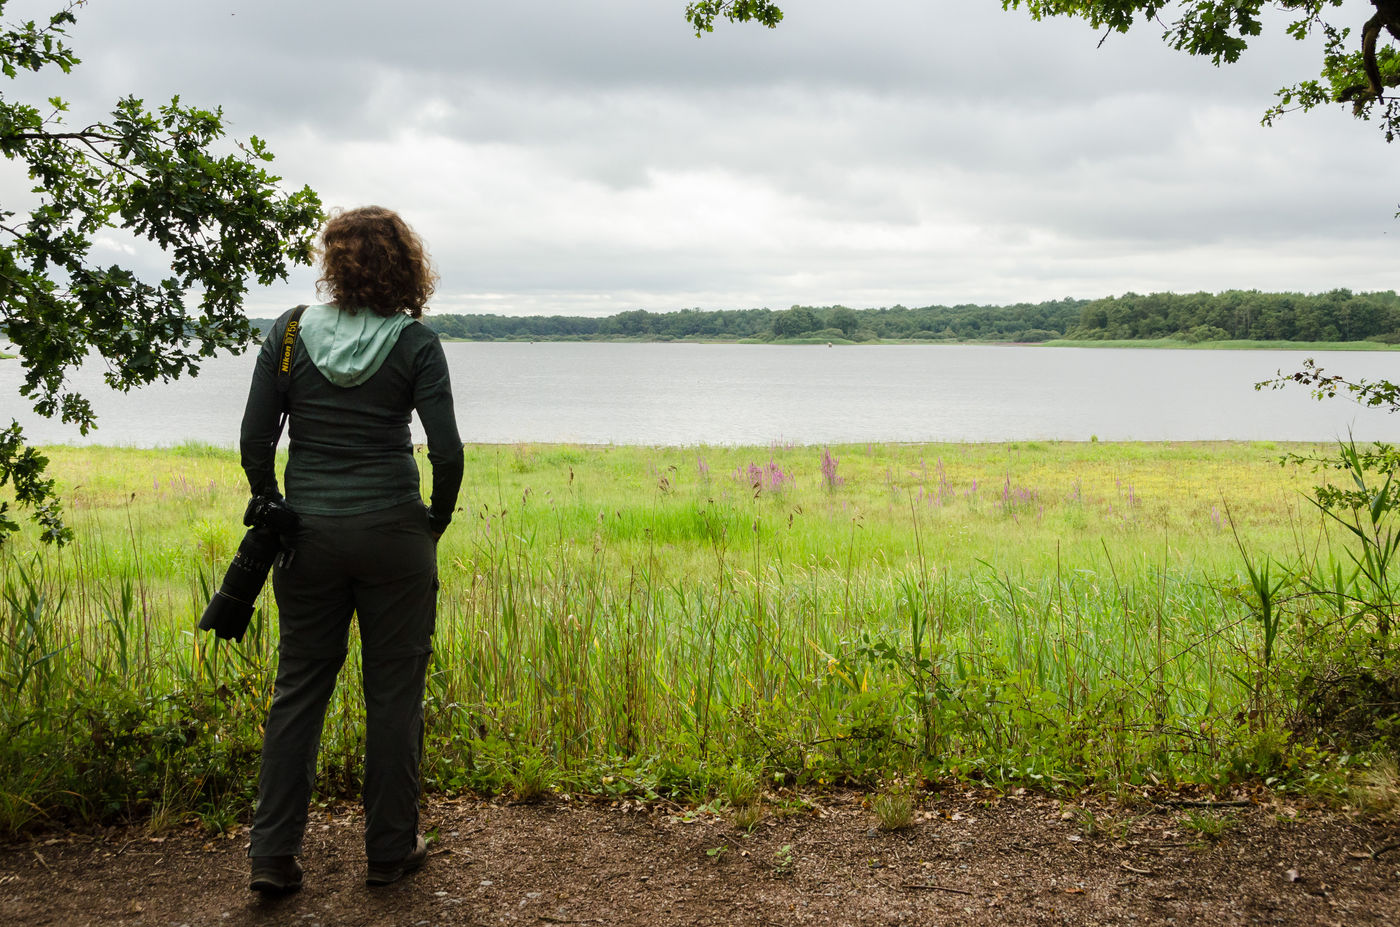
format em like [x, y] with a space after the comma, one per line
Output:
[963, 858]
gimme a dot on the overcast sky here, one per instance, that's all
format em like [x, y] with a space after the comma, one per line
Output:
[587, 158]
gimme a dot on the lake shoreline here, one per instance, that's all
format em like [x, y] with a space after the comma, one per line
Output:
[1168, 344]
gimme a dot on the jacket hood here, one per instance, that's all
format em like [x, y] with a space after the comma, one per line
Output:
[349, 349]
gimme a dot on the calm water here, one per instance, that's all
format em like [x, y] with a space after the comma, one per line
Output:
[758, 394]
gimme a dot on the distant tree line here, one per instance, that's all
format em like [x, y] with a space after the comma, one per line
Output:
[1022, 322]
[1339, 315]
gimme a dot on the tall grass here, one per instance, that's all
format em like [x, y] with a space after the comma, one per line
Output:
[653, 619]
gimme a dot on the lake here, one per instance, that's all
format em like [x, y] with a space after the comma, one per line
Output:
[682, 394]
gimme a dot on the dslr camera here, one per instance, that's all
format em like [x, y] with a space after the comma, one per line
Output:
[271, 525]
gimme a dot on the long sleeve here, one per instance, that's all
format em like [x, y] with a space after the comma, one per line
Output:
[432, 399]
[260, 418]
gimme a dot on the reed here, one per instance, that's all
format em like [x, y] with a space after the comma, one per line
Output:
[664, 620]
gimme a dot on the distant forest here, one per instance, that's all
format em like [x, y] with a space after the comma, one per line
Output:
[1339, 315]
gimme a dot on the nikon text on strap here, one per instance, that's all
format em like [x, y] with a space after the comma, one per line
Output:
[284, 370]
[289, 343]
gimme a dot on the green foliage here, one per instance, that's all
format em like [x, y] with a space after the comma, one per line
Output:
[894, 808]
[795, 322]
[165, 176]
[1341, 685]
[1358, 74]
[1095, 824]
[1347, 691]
[1210, 826]
[844, 319]
[22, 468]
[740, 787]
[1368, 512]
[1365, 507]
[702, 13]
[529, 782]
[1263, 596]
[187, 742]
[1377, 394]
[1343, 681]
[1337, 315]
[747, 817]
[597, 633]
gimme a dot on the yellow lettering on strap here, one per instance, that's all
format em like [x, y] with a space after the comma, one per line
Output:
[289, 341]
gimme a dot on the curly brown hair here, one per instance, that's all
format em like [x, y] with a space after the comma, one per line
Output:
[371, 259]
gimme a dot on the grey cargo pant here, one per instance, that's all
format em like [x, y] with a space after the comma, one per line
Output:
[381, 567]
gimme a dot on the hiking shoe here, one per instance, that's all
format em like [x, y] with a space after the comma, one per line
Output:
[385, 873]
[275, 875]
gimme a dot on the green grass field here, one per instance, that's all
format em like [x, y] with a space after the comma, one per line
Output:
[676, 620]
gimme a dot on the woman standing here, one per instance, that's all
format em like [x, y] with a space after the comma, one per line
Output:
[362, 365]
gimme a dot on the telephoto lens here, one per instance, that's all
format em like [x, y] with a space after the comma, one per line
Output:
[231, 608]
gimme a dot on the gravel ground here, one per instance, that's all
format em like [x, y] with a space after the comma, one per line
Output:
[965, 859]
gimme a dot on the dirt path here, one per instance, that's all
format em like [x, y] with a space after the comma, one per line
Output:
[1010, 861]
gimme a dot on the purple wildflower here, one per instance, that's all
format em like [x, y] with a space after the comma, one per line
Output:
[829, 476]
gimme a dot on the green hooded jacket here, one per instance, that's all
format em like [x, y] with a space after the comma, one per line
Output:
[357, 379]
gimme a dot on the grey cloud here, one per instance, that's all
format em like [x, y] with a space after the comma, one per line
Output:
[313, 61]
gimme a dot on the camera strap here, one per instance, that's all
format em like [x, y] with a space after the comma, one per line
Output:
[284, 395]
[284, 369]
